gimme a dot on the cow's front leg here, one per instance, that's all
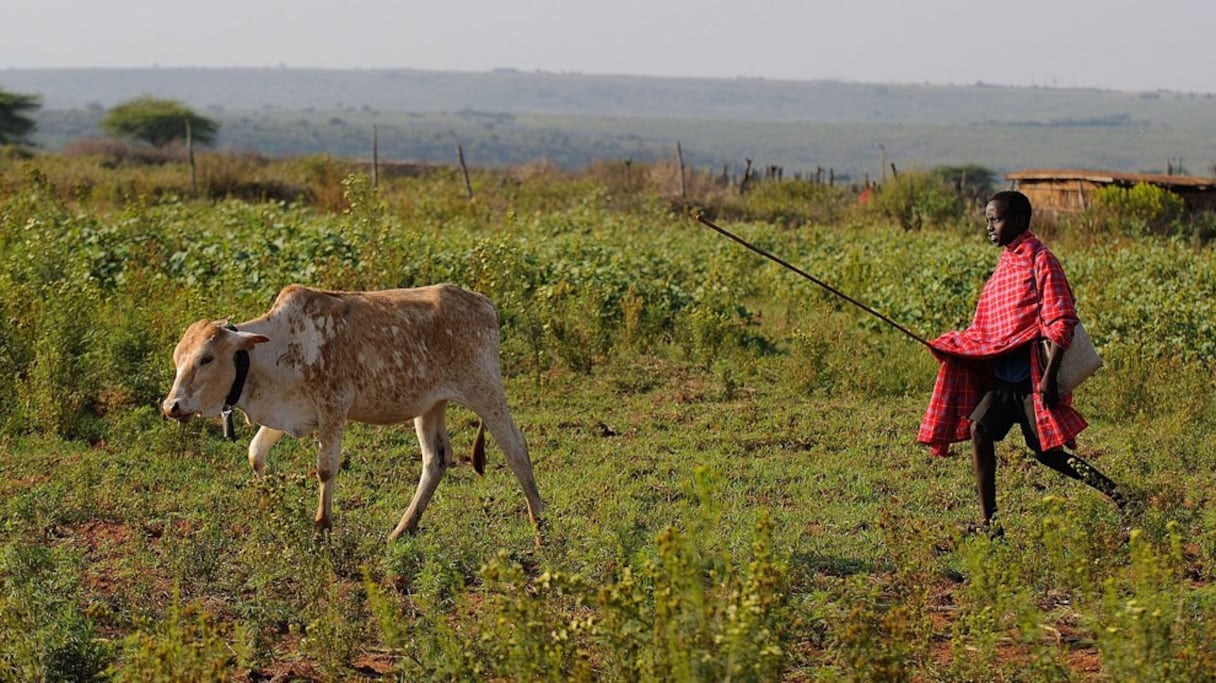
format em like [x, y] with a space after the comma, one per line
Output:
[329, 460]
[260, 446]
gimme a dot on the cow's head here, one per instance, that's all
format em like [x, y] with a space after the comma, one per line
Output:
[205, 359]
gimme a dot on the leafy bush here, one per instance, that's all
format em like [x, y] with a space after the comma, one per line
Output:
[1142, 209]
[46, 636]
[916, 199]
[189, 644]
[787, 204]
[1146, 632]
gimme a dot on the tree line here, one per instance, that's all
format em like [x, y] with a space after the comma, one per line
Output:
[157, 122]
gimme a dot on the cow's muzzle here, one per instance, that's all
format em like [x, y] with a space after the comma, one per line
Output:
[172, 409]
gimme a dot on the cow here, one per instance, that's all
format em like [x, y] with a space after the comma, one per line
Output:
[320, 359]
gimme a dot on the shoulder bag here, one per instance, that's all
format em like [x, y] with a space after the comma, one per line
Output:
[1081, 359]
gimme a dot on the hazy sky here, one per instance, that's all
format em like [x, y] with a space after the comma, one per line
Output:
[1118, 44]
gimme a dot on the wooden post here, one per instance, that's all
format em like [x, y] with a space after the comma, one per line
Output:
[831, 177]
[894, 173]
[375, 155]
[747, 177]
[190, 159]
[680, 163]
[468, 187]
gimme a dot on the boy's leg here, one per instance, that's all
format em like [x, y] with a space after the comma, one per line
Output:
[1071, 466]
[1058, 460]
[1083, 471]
[983, 453]
[990, 422]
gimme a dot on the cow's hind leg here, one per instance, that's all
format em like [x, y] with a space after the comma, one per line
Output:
[493, 411]
[436, 458]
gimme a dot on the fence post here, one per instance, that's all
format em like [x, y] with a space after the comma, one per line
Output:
[375, 155]
[468, 187]
[680, 162]
[190, 159]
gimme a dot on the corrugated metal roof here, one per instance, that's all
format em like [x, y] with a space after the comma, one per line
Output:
[1115, 177]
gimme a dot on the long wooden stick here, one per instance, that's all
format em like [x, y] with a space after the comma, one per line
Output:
[701, 217]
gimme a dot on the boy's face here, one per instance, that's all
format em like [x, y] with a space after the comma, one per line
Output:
[1001, 230]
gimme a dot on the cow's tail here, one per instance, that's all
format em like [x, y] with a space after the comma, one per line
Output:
[479, 449]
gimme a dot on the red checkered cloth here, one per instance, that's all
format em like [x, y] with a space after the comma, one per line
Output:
[1008, 315]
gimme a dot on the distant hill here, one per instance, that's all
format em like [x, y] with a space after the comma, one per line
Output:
[509, 116]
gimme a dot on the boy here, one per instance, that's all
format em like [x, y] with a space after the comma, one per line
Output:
[994, 374]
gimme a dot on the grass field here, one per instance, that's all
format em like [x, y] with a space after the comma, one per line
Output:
[727, 453]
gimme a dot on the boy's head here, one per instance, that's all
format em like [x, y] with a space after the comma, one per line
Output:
[1008, 215]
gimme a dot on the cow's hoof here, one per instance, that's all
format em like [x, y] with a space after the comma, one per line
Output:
[542, 530]
[402, 531]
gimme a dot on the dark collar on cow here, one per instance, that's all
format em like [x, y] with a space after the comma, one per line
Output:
[238, 385]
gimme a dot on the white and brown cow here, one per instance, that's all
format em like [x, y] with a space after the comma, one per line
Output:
[320, 359]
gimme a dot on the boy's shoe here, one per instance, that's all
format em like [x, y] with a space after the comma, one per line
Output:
[1131, 504]
[992, 529]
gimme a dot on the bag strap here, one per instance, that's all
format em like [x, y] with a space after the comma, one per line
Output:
[1034, 282]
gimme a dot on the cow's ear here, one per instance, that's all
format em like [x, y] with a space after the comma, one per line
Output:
[248, 340]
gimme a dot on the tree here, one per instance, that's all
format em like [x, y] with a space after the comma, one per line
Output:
[976, 183]
[158, 122]
[15, 124]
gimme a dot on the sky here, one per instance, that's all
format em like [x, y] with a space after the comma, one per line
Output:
[1111, 44]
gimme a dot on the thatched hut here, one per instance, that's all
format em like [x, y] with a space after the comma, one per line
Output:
[1057, 191]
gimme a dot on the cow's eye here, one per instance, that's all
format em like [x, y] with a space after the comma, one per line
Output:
[205, 360]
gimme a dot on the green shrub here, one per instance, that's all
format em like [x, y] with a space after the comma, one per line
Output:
[917, 199]
[189, 644]
[1147, 631]
[786, 204]
[46, 635]
[1142, 209]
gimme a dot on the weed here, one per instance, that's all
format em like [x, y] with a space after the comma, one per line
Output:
[46, 635]
[190, 644]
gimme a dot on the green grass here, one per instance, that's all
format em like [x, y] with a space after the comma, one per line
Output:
[861, 519]
[727, 454]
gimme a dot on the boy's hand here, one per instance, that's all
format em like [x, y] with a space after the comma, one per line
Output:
[1049, 389]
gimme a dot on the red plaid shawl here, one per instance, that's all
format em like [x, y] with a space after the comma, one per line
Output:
[1008, 315]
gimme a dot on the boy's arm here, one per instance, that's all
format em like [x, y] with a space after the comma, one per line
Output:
[1057, 307]
[1047, 384]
